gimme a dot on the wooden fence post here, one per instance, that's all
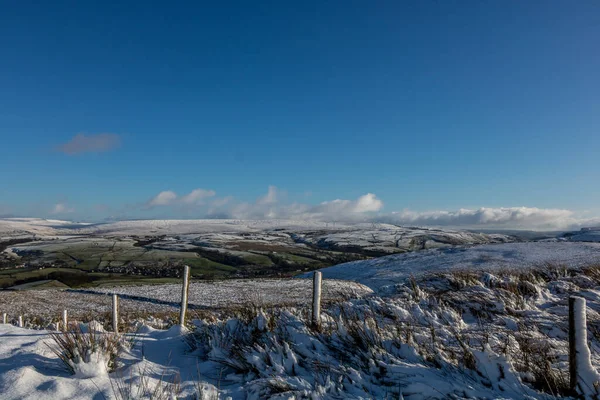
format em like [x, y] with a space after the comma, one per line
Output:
[316, 304]
[582, 374]
[115, 313]
[65, 321]
[184, 294]
[20, 321]
[4, 318]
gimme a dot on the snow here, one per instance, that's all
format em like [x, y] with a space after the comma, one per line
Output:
[49, 304]
[149, 227]
[421, 342]
[586, 236]
[92, 365]
[30, 370]
[443, 336]
[380, 272]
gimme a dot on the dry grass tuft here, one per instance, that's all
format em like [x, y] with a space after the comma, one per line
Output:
[75, 347]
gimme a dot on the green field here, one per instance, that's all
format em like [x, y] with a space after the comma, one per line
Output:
[99, 261]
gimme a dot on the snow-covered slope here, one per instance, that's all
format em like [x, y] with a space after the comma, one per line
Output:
[379, 272]
[584, 235]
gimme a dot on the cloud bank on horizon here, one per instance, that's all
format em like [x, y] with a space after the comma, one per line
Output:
[204, 203]
[369, 208]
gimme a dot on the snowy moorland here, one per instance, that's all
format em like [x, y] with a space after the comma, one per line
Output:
[380, 272]
[448, 335]
[370, 236]
[78, 255]
[455, 315]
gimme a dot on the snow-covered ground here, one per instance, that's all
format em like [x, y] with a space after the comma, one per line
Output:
[233, 293]
[492, 329]
[40, 308]
[30, 370]
[451, 336]
[380, 272]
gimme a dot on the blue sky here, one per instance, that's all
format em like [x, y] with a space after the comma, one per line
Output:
[429, 106]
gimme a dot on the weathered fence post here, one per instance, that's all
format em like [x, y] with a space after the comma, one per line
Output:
[115, 313]
[65, 321]
[20, 321]
[316, 304]
[184, 294]
[582, 374]
[4, 318]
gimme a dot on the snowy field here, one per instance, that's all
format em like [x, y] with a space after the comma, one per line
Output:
[380, 272]
[233, 293]
[42, 307]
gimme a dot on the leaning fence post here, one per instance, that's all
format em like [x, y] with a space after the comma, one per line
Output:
[582, 374]
[184, 294]
[115, 313]
[316, 304]
[20, 321]
[4, 318]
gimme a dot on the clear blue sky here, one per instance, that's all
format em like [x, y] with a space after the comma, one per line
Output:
[430, 105]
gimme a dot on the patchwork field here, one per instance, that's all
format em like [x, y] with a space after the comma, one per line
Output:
[138, 252]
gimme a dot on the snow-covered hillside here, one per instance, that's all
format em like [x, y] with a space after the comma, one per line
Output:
[584, 235]
[380, 272]
[13, 226]
[367, 238]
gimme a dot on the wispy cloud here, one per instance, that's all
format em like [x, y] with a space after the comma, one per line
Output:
[165, 198]
[366, 203]
[270, 206]
[196, 196]
[270, 198]
[170, 198]
[90, 143]
[62, 208]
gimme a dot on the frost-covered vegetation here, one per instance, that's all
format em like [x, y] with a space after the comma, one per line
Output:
[456, 334]
[462, 334]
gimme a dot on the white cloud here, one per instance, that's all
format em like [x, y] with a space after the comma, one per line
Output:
[367, 203]
[163, 199]
[269, 207]
[62, 208]
[169, 198]
[271, 197]
[197, 195]
[368, 207]
[222, 202]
